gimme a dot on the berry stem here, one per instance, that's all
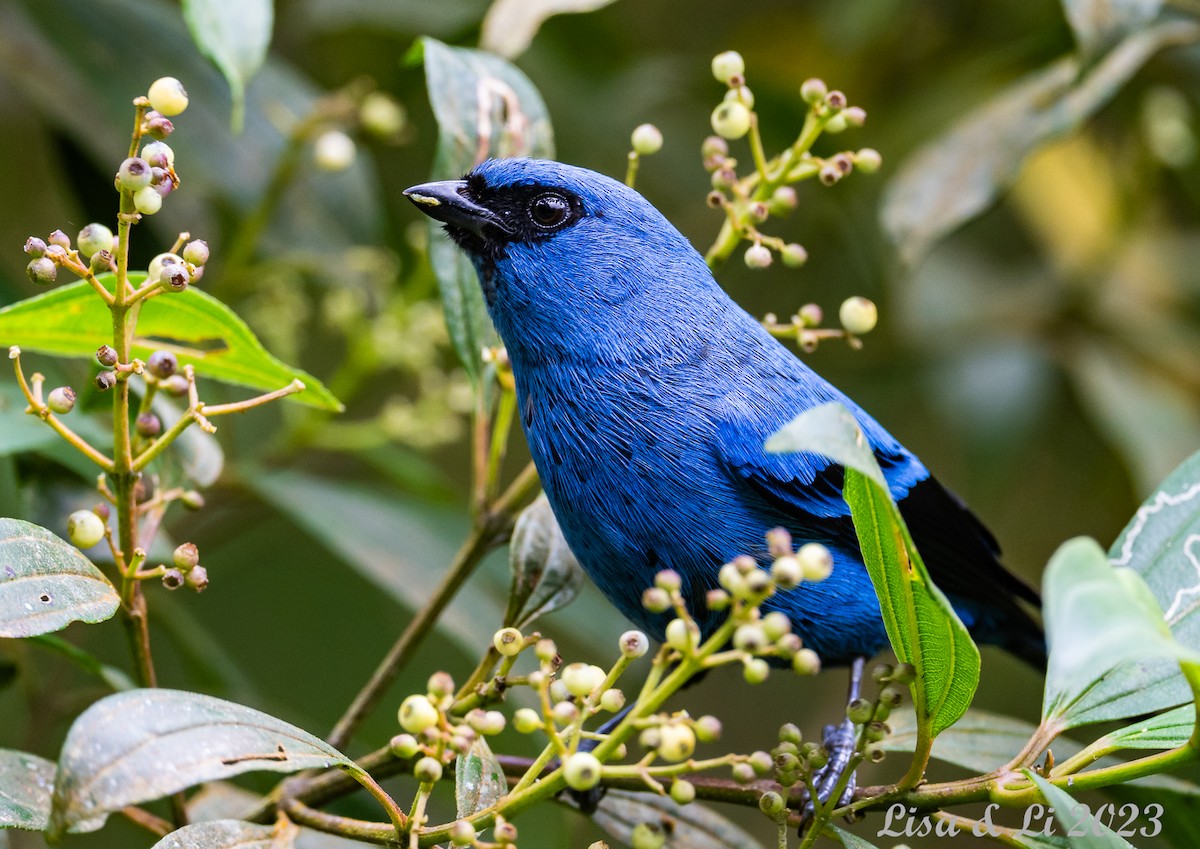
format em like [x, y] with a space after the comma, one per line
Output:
[39, 409]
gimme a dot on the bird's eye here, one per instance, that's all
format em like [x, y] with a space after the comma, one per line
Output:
[549, 210]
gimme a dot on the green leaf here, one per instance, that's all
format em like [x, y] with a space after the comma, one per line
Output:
[921, 625]
[1111, 654]
[227, 834]
[690, 826]
[46, 584]
[545, 574]
[478, 779]
[980, 741]
[1084, 830]
[484, 108]
[71, 321]
[849, 840]
[1163, 731]
[510, 25]
[141, 745]
[25, 785]
[1099, 23]
[959, 174]
[234, 37]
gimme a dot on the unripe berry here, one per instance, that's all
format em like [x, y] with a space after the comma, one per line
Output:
[508, 641]
[162, 364]
[381, 115]
[811, 315]
[858, 315]
[783, 200]
[428, 770]
[61, 400]
[167, 96]
[835, 100]
[175, 278]
[905, 674]
[829, 174]
[758, 256]
[771, 803]
[155, 269]
[775, 625]
[147, 201]
[787, 572]
[440, 684]
[647, 835]
[157, 125]
[793, 255]
[106, 380]
[159, 155]
[750, 637]
[462, 833]
[891, 695]
[755, 670]
[633, 644]
[815, 560]
[646, 140]
[656, 600]
[758, 212]
[527, 720]
[58, 237]
[404, 746]
[148, 425]
[564, 713]
[743, 773]
[742, 94]
[874, 752]
[84, 528]
[106, 355]
[173, 579]
[860, 711]
[192, 500]
[196, 252]
[547, 652]
[731, 120]
[682, 636]
[94, 238]
[417, 713]
[722, 180]
[716, 600]
[186, 556]
[504, 832]
[176, 385]
[806, 662]
[612, 700]
[788, 645]
[34, 247]
[868, 160]
[843, 163]
[197, 578]
[728, 64]
[790, 733]
[42, 270]
[708, 728]
[581, 679]
[582, 771]
[492, 723]
[134, 174]
[876, 731]
[334, 151]
[714, 146]
[102, 262]
[813, 90]
[836, 124]
[855, 116]
[676, 742]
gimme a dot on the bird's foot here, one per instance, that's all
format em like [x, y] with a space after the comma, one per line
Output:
[839, 741]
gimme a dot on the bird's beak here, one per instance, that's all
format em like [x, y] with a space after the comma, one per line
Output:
[447, 201]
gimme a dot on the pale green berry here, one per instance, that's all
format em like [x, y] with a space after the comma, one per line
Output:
[381, 115]
[581, 679]
[94, 238]
[743, 773]
[815, 560]
[612, 700]
[836, 124]
[727, 65]
[462, 833]
[196, 252]
[633, 644]
[84, 528]
[197, 578]
[783, 200]
[656, 599]
[334, 151]
[806, 662]
[508, 641]
[855, 116]
[504, 832]
[708, 728]
[134, 174]
[787, 572]
[860, 711]
[647, 835]
[758, 256]
[173, 579]
[868, 160]
[669, 580]
[493, 723]
[749, 637]
[682, 792]
[167, 96]
[527, 720]
[682, 636]
[858, 315]
[404, 746]
[186, 555]
[755, 670]
[730, 577]
[646, 140]
[582, 771]
[742, 94]
[676, 742]
[716, 600]
[42, 270]
[771, 803]
[61, 400]
[546, 651]
[147, 201]
[731, 120]
[813, 90]
[428, 770]
[874, 752]
[159, 154]
[417, 713]
[564, 713]
[793, 255]
[829, 174]
[775, 624]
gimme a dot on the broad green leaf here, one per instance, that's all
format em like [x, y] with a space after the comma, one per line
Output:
[691, 826]
[848, 839]
[25, 784]
[1110, 650]
[141, 745]
[221, 800]
[960, 173]
[510, 25]
[46, 583]
[1083, 830]
[485, 108]
[71, 321]
[921, 625]
[1163, 731]
[478, 779]
[1098, 23]
[545, 574]
[228, 834]
[234, 36]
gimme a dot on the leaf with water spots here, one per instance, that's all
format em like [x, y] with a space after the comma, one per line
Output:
[46, 583]
[25, 784]
[230, 834]
[478, 779]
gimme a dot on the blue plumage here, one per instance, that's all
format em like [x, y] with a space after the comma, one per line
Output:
[646, 395]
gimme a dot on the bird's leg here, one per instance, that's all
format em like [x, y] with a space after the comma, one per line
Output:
[839, 741]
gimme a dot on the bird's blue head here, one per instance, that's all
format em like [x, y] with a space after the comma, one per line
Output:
[574, 265]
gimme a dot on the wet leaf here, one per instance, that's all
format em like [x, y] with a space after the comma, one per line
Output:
[545, 574]
[510, 25]
[849, 840]
[1098, 23]
[690, 826]
[1163, 731]
[957, 176]
[234, 37]
[1086, 830]
[478, 779]
[140, 745]
[25, 784]
[198, 328]
[228, 834]
[484, 108]
[46, 583]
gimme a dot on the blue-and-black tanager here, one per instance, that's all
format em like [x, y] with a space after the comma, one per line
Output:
[646, 395]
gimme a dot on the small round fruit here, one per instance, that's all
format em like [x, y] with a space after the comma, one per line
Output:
[527, 720]
[173, 579]
[787, 572]
[758, 256]
[815, 560]
[708, 728]
[728, 65]
[731, 120]
[404, 746]
[134, 174]
[858, 315]
[197, 578]
[793, 255]
[634, 644]
[508, 641]
[147, 201]
[428, 770]
[756, 670]
[35, 247]
[582, 771]
[196, 252]
[647, 835]
[106, 380]
[806, 662]
[682, 792]
[581, 679]
[42, 270]
[106, 355]
[334, 151]
[677, 742]
[186, 555]
[159, 155]
[158, 126]
[381, 115]
[162, 364]
[167, 96]
[647, 139]
[61, 400]
[813, 90]
[175, 278]
[612, 700]
[462, 833]
[84, 528]
[94, 238]
[868, 160]
[417, 713]
[148, 425]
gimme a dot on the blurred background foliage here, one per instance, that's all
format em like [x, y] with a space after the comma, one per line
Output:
[1043, 358]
